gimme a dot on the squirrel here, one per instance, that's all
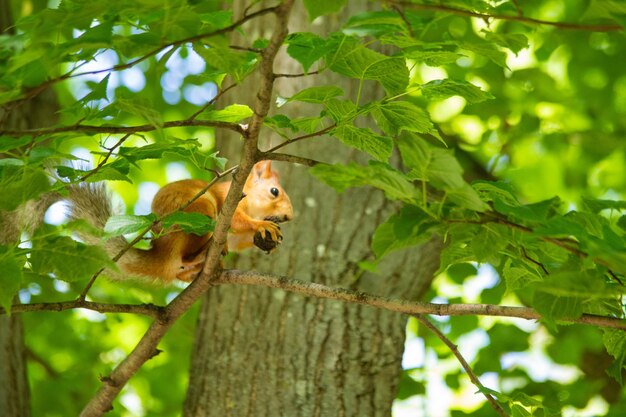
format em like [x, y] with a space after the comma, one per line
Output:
[176, 254]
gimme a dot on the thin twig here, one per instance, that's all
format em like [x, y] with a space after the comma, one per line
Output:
[273, 156]
[534, 261]
[299, 138]
[35, 357]
[107, 156]
[516, 17]
[518, 8]
[404, 19]
[302, 74]
[455, 351]
[213, 101]
[245, 48]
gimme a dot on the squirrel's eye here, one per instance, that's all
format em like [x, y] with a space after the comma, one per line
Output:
[274, 191]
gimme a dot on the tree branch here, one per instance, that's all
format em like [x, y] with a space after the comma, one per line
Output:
[299, 138]
[88, 129]
[517, 17]
[401, 306]
[236, 277]
[302, 74]
[455, 351]
[288, 158]
[150, 310]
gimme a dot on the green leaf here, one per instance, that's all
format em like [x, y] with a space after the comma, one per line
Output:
[597, 205]
[615, 343]
[318, 8]
[98, 90]
[139, 108]
[433, 58]
[395, 116]
[409, 387]
[157, 150]
[21, 185]
[306, 48]
[128, 223]
[317, 94]
[354, 60]
[377, 174]
[440, 168]
[517, 277]
[196, 223]
[8, 143]
[10, 277]
[220, 59]
[407, 228]
[459, 272]
[513, 41]
[487, 243]
[380, 147]
[621, 222]
[232, 114]
[67, 259]
[446, 88]
[340, 177]
[341, 110]
[374, 23]
[487, 50]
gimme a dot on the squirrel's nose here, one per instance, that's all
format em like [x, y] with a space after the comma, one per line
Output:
[287, 217]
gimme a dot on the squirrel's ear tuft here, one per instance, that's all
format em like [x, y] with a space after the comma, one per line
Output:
[263, 169]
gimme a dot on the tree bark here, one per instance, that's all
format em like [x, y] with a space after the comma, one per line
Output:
[264, 352]
[14, 396]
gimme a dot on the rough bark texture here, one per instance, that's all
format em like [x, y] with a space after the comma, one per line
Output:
[14, 398]
[264, 352]
[14, 393]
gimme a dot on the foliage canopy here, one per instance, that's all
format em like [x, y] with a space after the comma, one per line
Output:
[499, 126]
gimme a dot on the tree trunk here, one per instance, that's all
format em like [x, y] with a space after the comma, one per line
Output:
[14, 392]
[265, 352]
[14, 398]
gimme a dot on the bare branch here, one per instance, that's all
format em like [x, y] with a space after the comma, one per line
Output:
[401, 306]
[150, 310]
[236, 277]
[515, 17]
[455, 351]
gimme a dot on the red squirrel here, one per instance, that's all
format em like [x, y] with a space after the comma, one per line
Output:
[176, 254]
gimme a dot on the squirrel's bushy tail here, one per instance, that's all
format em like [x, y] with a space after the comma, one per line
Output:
[91, 202]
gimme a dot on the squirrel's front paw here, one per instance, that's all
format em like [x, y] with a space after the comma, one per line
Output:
[267, 237]
[266, 227]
